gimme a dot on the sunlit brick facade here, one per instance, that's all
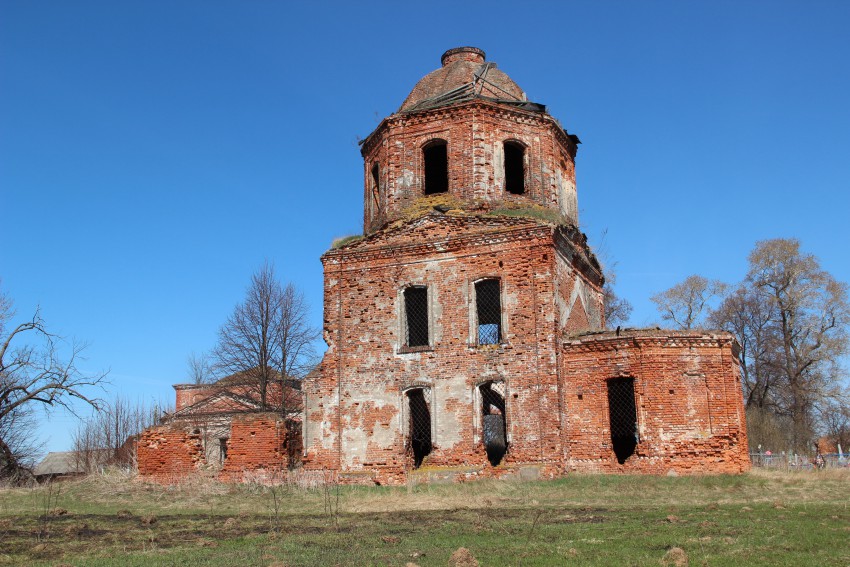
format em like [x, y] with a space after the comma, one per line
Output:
[470, 193]
[465, 327]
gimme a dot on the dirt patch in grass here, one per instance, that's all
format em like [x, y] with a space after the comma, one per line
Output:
[765, 519]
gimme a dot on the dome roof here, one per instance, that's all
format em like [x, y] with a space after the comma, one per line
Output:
[464, 75]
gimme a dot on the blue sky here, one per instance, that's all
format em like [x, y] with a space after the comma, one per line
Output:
[153, 154]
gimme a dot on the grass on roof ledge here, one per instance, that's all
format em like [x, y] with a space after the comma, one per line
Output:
[455, 206]
[535, 212]
[345, 240]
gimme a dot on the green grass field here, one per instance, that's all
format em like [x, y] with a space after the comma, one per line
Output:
[757, 519]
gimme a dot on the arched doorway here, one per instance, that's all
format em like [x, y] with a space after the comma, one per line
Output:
[494, 432]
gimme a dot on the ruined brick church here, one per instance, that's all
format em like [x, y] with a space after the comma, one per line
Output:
[465, 328]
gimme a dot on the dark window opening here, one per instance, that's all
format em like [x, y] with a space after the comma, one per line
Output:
[419, 442]
[488, 306]
[374, 198]
[495, 434]
[416, 315]
[222, 449]
[514, 168]
[436, 167]
[623, 415]
[376, 176]
[293, 444]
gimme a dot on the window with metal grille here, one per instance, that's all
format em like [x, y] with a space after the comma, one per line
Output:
[436, 159]
[514, 168]
[623, 417]
[419, 426]
[488, 306]
[493, 420]
[416, 316]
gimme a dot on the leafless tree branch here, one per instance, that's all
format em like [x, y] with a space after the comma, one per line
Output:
[267, 337]
[36, 372]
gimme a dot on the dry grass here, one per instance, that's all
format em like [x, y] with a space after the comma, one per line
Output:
[765, 517]
[425, 205]
[345, 240]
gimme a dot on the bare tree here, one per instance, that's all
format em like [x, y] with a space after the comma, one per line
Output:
[746, 314]
[810, 318]
[267, 337]
[836, 422]
[34, 373]
[791, 318]
[616, 309]
[687, 302]
[199, 368]
[109, 437]
[18, 447]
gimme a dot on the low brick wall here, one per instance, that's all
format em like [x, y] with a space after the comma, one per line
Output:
[169, 452]
[257, 448]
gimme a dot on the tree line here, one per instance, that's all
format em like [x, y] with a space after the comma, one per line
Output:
[791, 319]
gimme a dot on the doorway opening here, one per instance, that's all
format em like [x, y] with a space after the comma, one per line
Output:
[419, 426]
[623, 417]
[493, 420]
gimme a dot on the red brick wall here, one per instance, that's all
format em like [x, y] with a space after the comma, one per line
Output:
[364, 330]
[474, 132]
[688, 397]
[188, 394]
[257, 444]
[169, 452]
[356, 411]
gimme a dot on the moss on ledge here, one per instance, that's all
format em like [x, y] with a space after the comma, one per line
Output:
[346, 240]
[533, 211]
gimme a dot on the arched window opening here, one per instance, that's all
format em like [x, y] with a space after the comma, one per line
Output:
[416, 316]
[419, 426]
[436, 167]
[376, 176]
[373, 203]
[488, 306]
[623, 417]
[493, 411]
[514, 168]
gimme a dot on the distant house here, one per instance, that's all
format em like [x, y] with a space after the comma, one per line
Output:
[58, 464]
[66, 464]
[223, 428]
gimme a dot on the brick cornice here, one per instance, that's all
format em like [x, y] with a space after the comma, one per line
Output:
[606, 342]
[453, 243]
[453, 112]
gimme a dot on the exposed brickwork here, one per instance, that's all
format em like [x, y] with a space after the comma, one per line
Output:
[258, 444]
[360, 419]
[167, 453]
[199, 435]
[234, 393]
[364, 329]
[538, 381]
[475, 133]
[688, 396]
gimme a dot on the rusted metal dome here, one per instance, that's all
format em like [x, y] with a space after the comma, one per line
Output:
[465, 75]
